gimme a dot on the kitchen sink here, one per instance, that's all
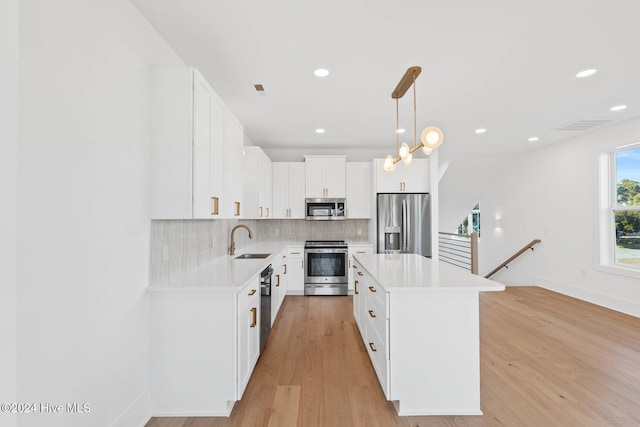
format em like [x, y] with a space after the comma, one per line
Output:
[252, 256]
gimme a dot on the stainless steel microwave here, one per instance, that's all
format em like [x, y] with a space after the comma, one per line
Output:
[325, 209]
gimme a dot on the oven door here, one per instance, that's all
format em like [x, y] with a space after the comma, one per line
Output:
[324, 266]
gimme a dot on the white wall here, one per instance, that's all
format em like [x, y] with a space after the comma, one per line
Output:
[83, 227]
[552, 194]
[8, 176]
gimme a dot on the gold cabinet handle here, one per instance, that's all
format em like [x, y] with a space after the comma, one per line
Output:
[267, 215]
[295, 253]
[355, 266]
[260, 212]
[215, 209]
[237, 208]
[349, 263]
[359, 273]
[361, 252]
[372, 347]
[254, 310]
[371, 313]
[285, 269]
[372, 289]
[253, 292]
[355, 287]
[278, 281]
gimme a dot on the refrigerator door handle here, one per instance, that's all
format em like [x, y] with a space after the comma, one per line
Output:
[405, 234]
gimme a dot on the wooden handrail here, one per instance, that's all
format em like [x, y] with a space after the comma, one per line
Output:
[516, 255]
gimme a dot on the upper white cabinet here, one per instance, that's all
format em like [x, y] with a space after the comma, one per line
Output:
[288, 190]
[325, 176]
[358, 190]
[257, 183]
[233, 167]
[189, 145]
[405, 179]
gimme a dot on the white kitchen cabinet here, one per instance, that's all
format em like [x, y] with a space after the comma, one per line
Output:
[233, 167]
[257, 183]
[405, 179]
[358, 190]
[278, 284]
[187, 150]
[325, 176]
[248, 334]
[356, 248]
[288, 190]
[295, 270]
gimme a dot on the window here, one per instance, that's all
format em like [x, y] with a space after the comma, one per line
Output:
[474, 218]
[620, 210]
[626, 207]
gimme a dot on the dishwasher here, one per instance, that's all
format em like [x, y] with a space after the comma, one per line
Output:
[265, 305]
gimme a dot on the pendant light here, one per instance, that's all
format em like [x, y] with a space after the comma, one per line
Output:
[430, 138]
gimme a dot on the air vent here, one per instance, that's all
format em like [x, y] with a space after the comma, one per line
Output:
[259, 87]
[585, 124]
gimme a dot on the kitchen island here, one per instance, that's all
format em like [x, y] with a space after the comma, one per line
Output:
[419, 321]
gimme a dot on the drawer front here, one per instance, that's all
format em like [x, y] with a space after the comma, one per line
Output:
[249, 296]
[377, 318]
[377, 349]
[376, 294]
[295, 252]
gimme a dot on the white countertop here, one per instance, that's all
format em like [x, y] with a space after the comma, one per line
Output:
[411, 272]
[228, 273]
[224, 273]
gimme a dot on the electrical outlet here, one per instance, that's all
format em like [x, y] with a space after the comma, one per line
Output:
[165, 252]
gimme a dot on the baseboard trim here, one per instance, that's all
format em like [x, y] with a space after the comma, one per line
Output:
[138, 414]
[608, 301]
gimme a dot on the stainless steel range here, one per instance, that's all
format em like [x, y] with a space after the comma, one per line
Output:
[325, 271]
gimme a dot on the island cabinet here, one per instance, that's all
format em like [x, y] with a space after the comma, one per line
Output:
[196, 143]
[325, 176]
[419, 321]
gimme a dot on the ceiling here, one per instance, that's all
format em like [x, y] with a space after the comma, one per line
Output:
[509, 67]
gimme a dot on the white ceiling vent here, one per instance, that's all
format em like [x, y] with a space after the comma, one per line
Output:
[585, 124]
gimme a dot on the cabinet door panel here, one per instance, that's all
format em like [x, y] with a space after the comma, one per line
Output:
[296, 190]
[314, 183]
[334, 177]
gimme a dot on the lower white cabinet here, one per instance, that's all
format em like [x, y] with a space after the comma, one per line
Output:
[248, 334]
[295, 270]
[205, 343]
[357, 248]
[278, 285]
[423, 344]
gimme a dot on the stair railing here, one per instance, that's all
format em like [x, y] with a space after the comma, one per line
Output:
[514, 256]
[460, 250]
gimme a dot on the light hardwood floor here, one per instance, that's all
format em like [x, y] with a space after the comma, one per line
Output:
[546, 360]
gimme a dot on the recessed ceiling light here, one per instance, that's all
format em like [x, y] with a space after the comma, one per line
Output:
[618, 108]
[321, 72]
[481, 130]
[400, 131]
[586, 73]
[319, 130]
[533, 139]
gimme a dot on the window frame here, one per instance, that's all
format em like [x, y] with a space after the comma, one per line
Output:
[608, 208]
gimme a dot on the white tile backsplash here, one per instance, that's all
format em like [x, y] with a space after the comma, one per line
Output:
[191, 243]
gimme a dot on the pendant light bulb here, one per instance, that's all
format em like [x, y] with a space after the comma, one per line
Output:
[404, 151]
[407, 160]
[426, 150]
[432, 137]
[388, 166]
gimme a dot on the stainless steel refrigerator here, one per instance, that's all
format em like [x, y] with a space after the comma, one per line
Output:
[404, 223]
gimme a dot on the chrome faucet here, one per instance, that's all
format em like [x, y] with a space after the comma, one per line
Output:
[232, 246]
